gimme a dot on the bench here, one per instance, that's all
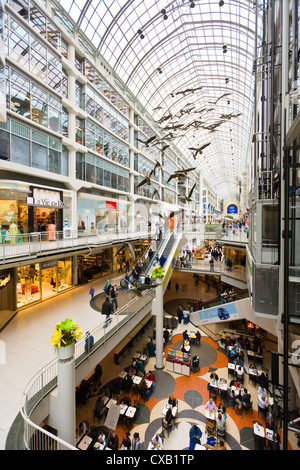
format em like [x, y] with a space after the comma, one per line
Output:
[126, 343]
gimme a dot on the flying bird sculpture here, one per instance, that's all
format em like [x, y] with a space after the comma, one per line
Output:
[188, 197]
[199, 149]
[220, 97]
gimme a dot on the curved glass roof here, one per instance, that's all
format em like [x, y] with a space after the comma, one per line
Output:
[192, 69]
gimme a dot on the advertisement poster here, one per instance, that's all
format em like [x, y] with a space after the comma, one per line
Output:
[218, 314]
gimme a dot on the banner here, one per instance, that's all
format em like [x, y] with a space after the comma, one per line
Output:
[218, 314]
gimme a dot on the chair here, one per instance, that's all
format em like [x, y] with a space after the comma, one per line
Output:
[221, 433]
[166, 426]
[135, 390]
[248, 406]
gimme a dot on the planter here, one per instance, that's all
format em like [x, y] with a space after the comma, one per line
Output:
[66, 352]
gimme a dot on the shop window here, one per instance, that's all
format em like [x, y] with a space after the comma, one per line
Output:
[28, 285]
[64, 274]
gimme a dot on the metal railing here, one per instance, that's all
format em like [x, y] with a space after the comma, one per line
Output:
[34, 436]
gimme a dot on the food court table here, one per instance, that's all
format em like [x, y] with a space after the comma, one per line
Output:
[210, 414]
[130, 412]
[199, 447]
[84, 443]
[136, 379]
[111, 401]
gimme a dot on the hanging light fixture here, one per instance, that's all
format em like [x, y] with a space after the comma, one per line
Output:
[164, 13]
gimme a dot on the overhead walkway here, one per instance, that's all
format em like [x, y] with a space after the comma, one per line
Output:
[235, 277]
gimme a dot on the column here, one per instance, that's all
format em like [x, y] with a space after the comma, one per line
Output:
[159, 307]
[66, 406]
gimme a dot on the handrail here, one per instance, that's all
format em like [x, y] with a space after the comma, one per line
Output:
[37, 438]
[30, 245]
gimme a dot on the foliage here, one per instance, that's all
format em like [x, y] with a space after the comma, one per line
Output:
[66, 333]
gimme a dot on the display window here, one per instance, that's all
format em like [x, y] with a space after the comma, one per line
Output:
[47, 220]
[92, 267]
[28, 285]
[13, 216]
[56, 277]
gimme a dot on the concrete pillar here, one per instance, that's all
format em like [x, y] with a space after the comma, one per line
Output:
[66, 406]
[159, 307]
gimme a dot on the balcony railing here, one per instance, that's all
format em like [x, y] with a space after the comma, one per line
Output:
[37, 438]
[29, 245]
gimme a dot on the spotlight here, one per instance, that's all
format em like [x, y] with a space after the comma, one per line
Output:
[224, 49]
[221, 3]
[164, 13]
[140, 32]
[192, 4]
[159, 70]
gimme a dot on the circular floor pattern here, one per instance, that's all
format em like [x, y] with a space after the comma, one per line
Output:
[164, 384]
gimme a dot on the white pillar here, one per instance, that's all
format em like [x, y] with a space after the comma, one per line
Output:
[66, 406]
[159, 307]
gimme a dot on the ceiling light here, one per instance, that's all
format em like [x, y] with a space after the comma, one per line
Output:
[192, 4]
[221, 3]
[164, 13]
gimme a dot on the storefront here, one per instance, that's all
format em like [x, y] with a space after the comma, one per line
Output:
[102, 214]
[40, 281]
[94, 266]
[236, 255]
[26, 209]
[6, 295]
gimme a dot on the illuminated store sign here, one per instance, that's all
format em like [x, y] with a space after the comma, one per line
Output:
[46, 198]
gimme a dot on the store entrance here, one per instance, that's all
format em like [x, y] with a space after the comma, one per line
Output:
[44, 217]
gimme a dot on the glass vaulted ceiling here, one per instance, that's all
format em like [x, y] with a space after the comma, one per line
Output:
[192, 70]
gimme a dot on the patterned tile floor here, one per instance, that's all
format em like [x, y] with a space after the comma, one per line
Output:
[192, 394]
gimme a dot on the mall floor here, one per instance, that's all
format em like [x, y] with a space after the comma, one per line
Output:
[27, 349]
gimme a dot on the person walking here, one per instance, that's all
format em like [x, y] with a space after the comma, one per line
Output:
[113, 296]
[107, 309]
[211, 262]
[186, 315]
[195, 435]
[92, 293]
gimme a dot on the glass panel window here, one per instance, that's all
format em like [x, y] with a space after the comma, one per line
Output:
[20, 150]
[55, 161]
[20, 94]
[39, 156]
[39, 105]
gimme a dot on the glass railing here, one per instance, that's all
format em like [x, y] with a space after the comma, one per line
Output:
[37, 243]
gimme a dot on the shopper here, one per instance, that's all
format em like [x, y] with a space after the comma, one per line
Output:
[113, 296]
[92, 293]
[107, 309]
